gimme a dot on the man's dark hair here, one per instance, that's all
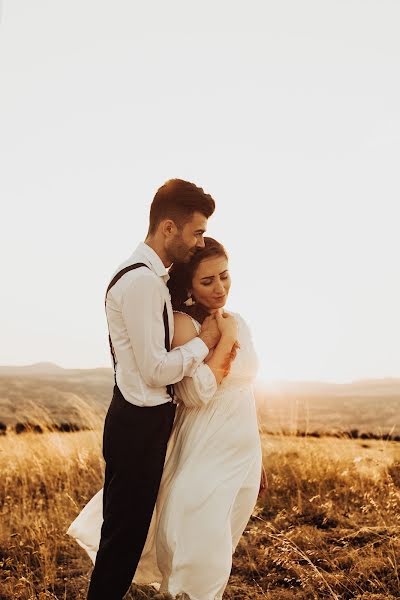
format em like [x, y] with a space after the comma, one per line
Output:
[178, 200]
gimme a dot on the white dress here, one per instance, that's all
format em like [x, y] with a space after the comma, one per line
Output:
[209, 486]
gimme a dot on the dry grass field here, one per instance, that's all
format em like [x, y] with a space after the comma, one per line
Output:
[328, 527]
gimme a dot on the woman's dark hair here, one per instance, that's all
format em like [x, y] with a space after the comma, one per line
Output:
[178, 200]
[181, 277]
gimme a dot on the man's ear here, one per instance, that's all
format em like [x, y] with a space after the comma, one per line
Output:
[168, 227]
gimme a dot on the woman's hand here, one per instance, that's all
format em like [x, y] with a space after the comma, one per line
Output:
[225, 351]
[227, 325]
[210, 333]
[263, 482]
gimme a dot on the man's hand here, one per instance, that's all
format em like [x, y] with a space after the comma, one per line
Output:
[210, 333]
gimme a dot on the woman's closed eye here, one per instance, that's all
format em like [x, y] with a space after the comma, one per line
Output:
[224, 277]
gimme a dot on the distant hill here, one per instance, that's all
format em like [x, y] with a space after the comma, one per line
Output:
[47, 392]
[42, 368]
[49, 369]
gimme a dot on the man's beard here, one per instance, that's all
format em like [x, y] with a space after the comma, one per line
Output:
[189, 256]
[180, 253]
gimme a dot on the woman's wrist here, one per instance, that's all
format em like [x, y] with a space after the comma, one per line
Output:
[228, 338]
[208, 339]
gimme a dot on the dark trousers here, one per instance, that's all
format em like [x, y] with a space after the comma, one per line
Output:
[134, 446]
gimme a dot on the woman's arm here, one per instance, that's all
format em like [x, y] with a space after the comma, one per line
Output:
[198, 389]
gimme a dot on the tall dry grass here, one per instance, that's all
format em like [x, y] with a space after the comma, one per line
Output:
[328, 527]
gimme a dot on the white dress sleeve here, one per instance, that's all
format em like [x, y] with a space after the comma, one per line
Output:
[198, 389]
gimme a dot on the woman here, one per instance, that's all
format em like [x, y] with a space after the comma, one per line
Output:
[212, 473]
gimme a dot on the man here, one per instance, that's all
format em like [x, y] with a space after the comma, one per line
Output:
[140, 417]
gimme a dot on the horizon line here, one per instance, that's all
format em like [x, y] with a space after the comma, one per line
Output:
[259, 380]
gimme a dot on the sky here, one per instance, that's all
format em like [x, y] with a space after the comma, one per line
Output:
[287, 112]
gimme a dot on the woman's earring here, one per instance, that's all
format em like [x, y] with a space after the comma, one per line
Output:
[189, 301]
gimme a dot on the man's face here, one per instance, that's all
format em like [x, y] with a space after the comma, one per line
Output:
[190, 237]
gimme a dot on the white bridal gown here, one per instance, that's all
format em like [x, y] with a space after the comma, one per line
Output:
[209, 486]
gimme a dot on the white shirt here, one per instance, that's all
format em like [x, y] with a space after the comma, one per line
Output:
[134, 308]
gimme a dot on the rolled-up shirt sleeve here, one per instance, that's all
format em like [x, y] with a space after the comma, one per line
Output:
[142, 309]
[198, 389]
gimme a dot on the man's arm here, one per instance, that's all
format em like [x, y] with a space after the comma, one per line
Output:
[142, 308]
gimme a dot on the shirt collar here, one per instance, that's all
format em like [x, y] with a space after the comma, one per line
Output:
[155, 261]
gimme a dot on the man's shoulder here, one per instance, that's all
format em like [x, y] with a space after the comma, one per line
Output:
[139, 267]
[139, 275]
[138, 278]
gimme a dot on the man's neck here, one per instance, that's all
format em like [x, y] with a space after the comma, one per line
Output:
[158, 249]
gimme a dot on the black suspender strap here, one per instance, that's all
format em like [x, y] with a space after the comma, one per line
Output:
[110, 285]
[170, 388]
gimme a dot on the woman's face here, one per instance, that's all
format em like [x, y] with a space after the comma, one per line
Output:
[211, 283]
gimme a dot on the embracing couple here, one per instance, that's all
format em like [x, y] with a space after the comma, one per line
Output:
[181, 441]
